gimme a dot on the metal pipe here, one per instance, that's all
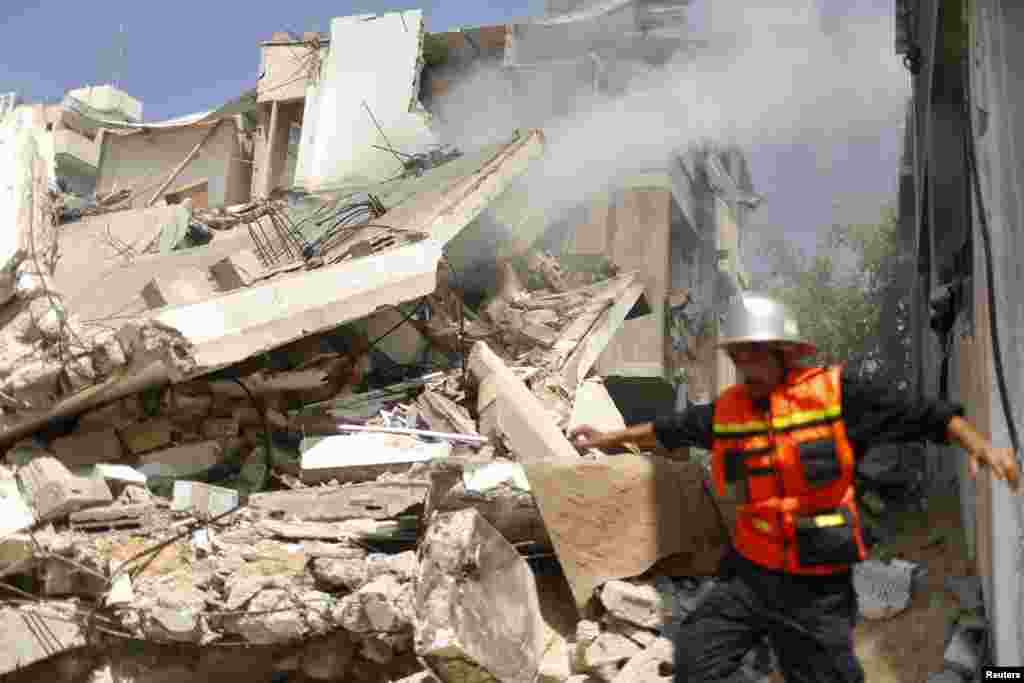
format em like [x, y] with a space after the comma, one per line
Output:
[414, 432]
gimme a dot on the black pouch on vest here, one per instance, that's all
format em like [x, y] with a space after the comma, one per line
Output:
[820, 461]
[826, 537]
[736, 474]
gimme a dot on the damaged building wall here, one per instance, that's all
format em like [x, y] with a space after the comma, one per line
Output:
[348, 107]
[951, 287]
[218, 174]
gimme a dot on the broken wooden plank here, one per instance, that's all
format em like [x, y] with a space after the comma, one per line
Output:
[374, 500]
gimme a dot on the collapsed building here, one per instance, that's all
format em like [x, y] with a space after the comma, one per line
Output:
[285, 385]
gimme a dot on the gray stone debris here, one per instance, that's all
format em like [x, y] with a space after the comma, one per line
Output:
[967, 590]
[642, 604]
[883, 590]
[340, 574]
[382, 605]
[609, 648]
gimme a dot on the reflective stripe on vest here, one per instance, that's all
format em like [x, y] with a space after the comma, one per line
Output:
[793, 470]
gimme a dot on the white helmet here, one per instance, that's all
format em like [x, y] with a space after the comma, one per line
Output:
[753, 318]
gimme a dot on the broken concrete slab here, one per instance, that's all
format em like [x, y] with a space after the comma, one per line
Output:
[327, 531]
[650, 508]
[375, 500]
[365, 456]
[88, 448]
[203, 500]
[469, 574]
[516, 412]
[33, 633]
[54, 492]
[593, 406]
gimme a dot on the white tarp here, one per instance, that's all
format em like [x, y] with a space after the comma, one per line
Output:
[369, 78]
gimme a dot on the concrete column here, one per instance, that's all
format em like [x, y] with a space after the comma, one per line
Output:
[267, 171]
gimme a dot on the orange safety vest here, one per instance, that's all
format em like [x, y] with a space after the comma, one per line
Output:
[792, 470]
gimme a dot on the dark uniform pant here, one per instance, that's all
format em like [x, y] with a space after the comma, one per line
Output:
[808, 620]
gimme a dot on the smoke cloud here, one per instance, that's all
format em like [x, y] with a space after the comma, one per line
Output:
[815, 100]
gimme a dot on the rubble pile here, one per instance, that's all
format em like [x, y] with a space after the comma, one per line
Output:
[371, 535]
[253, 422]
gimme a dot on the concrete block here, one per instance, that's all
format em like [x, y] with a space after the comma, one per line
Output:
[202, 499]
[639, 604]
[194, 457]
[372, 500]
[54, 492]
[477, 608]
[150, 435]
[88, 448]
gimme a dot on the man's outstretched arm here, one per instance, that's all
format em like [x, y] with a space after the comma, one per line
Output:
[642, 435]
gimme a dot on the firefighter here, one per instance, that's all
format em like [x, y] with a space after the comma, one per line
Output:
[784, 444]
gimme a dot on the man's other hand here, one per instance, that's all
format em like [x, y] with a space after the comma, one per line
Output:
[1002, 461]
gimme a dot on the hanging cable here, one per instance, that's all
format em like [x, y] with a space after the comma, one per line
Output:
[986, 238]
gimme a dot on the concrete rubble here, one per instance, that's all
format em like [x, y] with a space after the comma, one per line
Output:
[274, 433]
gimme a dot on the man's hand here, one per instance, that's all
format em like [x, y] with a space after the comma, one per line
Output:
[584, 436]
[1002, 461]
[981, 453]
